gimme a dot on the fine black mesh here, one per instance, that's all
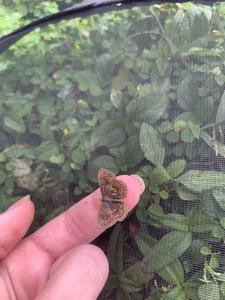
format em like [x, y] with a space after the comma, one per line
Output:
[137, 90]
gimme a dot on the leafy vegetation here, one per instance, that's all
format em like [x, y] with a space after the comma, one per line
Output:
[135, 91]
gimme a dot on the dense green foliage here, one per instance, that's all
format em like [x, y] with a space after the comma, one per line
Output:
[137, 91]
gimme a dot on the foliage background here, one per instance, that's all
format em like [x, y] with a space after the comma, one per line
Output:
[137, 91]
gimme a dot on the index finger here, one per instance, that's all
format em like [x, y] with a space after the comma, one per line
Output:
[78, 225]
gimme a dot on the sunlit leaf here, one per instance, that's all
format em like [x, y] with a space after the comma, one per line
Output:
[199, 181]
[220, 115]
[173, 273]
[176, 167]
[151, 144]
[209, 291]
[166, 250]
[15, 124]
[219, 195]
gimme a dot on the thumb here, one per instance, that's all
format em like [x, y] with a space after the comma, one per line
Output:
[79, 274]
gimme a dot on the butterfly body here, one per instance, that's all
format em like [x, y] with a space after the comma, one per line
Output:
[113, 192]
[108, 199]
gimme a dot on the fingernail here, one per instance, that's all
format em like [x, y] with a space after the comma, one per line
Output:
[25, 198]
[140, 182]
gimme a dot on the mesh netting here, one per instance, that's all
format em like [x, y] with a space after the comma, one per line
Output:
[137, 90]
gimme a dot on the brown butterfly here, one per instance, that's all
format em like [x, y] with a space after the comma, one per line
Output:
[113, 192]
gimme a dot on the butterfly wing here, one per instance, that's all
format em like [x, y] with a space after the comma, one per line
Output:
[112, 208]
[111, 186]
[110, 212]
[118, 210]
[105, 216]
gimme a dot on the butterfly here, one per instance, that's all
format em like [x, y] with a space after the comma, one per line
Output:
[113, 192]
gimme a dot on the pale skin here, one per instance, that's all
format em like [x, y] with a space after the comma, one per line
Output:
[56, 262]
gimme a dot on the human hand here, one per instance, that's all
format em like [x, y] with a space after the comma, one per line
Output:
[56, 262]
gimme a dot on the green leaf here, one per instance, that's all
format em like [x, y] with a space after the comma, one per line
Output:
[47, 150]
[218, 232]
[195, 128]
[155, 210]
[46, 131]
[21, 168]
[151, 144]
[184, 119]
[108, 134]
[213, 263]
[215, 145]
[220, 115]
[2, 176]
[21, 107]
[78, 156]
[205, 251]
[222, 288]
[3, 66]
[163, 194]
[145, 243]
[166, 250]
[141, 214]
[176, 167]
[191, 27]
[172, 137]
[199, 222]
[221, 277]
[78, 191]
[46, 107]
[173, 273]
[209, 291]
[9, 185]
[187, 93]
[186, 135]
[116, 98]
[148, 108]
[115, 249]
[121, 80]
[95, 89]
[174, 221]
[190, 289]
[57, 159]
[165, 127]
[204, 109]
[128, 285]
[15, 124]
[159, 176]
[2, 157]
[199, 181]
[102, 161]
[133, 278]
[185, 195]
[219, 78]
[176, 293]
[179, 124]
[222, 222]
[17, 151]
[219, 195]
[151, 102]
[129, 154]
